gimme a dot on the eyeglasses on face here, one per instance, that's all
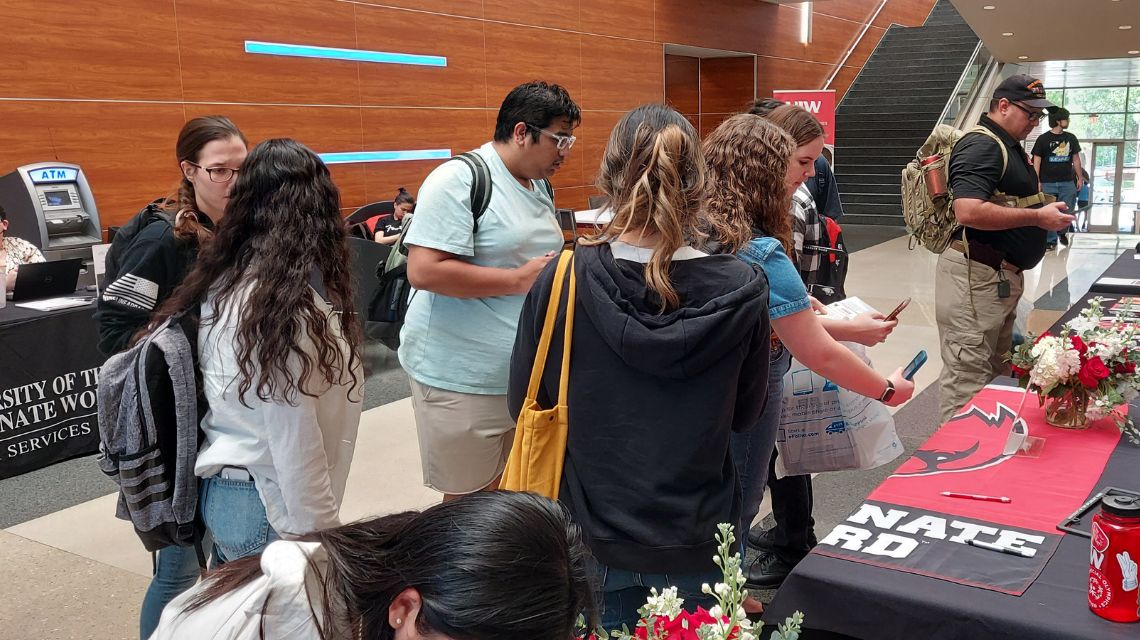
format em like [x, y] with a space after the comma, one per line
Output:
[1034, 116]
[217, 174]
[564, 142]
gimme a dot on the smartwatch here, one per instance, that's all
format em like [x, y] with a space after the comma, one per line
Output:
[889, 392]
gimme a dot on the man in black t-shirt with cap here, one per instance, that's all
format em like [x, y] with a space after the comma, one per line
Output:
[1004, 219]
[1057, 160]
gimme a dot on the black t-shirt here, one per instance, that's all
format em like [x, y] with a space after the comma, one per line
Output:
[975, 172]
[388, 226]
[1056, 153]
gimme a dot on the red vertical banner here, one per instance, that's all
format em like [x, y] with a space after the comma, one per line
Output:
[820, 104]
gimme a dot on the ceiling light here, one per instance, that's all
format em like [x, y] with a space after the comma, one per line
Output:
[1008, 34]
[1022, 57]
[989, 7]
[1134, 52]
[1124, 27]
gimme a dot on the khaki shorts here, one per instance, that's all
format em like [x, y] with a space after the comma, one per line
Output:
[464, 438]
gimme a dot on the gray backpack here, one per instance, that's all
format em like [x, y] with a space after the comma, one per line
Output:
[149, 408]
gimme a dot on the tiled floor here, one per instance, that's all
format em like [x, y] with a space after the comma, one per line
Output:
[80, 573]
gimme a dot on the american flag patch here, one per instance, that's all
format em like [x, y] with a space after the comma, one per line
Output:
[133, 291]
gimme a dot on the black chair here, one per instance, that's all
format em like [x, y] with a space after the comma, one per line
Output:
[381, 208]
[366, 255]
[597, 202]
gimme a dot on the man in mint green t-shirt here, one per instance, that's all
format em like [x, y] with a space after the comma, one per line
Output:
[460, 325]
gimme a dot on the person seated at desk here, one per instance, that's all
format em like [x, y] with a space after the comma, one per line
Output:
[14, 252]
[386, 229]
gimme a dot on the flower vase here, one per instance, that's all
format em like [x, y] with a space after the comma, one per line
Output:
[1069, 410]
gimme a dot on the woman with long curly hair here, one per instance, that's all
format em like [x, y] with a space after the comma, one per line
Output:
[669, 357]
[487, 566]
[280, 366]
[752, 177]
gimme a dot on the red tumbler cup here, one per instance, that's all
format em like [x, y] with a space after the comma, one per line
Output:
[1113, 558]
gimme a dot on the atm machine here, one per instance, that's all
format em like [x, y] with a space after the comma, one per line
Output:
[50, 205]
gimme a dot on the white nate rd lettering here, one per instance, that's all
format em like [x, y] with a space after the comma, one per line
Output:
[893, 545]
[812, 106]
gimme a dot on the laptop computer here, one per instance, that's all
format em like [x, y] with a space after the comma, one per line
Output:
[47, 279]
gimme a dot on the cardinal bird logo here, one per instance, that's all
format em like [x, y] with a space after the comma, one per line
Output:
[988, 432]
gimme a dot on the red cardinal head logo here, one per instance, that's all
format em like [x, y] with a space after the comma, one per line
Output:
[987, 435]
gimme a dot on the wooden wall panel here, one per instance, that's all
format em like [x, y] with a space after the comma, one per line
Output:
[620, 74]
[627, 19]
[562, 14]
[469, 8]
[574, 197]
[727, 84]
[322, 129]
[735, 25]
[394, 129]
[463, 83]
[593, 136]
[101, 53]
[710, 121]
[147, 65]
[518, 54]
[126, 150]
[216, 68]
[774, 74]
[683, 83]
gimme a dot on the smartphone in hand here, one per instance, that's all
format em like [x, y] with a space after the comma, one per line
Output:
[914, 365]
[894, 314]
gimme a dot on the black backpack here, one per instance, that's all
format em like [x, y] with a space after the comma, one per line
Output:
[389, 304]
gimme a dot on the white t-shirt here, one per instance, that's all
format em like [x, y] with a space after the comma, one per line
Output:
[279, 599]
[464, 344]
[298, 455]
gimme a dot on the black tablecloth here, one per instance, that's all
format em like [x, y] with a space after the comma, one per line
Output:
[873, 603]
[48, 378]
[1126, 266]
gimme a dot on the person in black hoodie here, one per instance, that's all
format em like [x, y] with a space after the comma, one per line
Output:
[149, 257]
[669, 357]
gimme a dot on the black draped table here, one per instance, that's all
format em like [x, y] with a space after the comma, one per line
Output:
[1126, 267]
[897, 568]
[49, 373]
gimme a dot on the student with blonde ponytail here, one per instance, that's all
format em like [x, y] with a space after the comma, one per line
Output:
[148, 259]
[669, 357]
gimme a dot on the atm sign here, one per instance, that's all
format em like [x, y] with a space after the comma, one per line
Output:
[53, 174]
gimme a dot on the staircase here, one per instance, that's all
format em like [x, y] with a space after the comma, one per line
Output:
[891, 108]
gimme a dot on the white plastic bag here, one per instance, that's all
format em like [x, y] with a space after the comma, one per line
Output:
[824, 427]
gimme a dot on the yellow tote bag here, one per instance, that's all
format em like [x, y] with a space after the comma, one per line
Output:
[539, 448]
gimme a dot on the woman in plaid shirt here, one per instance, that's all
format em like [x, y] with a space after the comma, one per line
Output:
[14, 252]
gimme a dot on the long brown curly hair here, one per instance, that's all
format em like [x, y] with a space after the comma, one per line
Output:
[747, 160]
[653, 174]
[282, 225]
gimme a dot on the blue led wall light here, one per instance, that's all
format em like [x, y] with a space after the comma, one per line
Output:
[330, 53]
[385, 156]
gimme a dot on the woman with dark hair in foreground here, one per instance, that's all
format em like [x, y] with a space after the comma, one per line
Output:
[488, 566]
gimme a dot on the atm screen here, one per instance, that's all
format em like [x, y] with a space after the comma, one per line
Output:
[57, 198]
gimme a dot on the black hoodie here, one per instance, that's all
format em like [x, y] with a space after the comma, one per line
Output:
[653, 400]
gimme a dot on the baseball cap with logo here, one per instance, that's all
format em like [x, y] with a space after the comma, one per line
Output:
[1024, 89]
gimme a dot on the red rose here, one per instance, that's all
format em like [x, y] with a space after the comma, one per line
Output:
[1087, 378]
[1098, 368]
[1125, 367]
[1018, 372]
[1079, 345]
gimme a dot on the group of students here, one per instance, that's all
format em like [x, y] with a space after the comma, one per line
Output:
[692, 301]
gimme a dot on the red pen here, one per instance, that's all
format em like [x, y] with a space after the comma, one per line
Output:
[974, 496]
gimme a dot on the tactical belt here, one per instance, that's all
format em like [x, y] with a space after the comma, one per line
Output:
[984, 254]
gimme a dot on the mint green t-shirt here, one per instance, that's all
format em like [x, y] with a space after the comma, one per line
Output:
[464, 344]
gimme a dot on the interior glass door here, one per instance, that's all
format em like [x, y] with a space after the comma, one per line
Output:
[1104, 192]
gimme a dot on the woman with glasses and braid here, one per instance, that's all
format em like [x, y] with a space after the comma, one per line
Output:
[148, 259]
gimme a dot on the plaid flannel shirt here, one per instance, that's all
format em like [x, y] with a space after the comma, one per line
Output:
[809, 235]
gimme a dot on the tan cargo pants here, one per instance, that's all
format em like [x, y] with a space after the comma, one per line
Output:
[974, 340]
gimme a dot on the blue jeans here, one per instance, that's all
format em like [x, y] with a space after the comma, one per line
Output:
[175, 571]
[624, 592]
[235, 518]
[752, 449]
[1066, 192]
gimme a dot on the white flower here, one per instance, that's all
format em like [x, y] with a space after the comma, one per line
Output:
[1081, 325]
[1108, 345]
[666, 605]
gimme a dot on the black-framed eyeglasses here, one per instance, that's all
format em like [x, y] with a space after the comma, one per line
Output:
[1034, 116]
[564, 142]
[217, 174]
